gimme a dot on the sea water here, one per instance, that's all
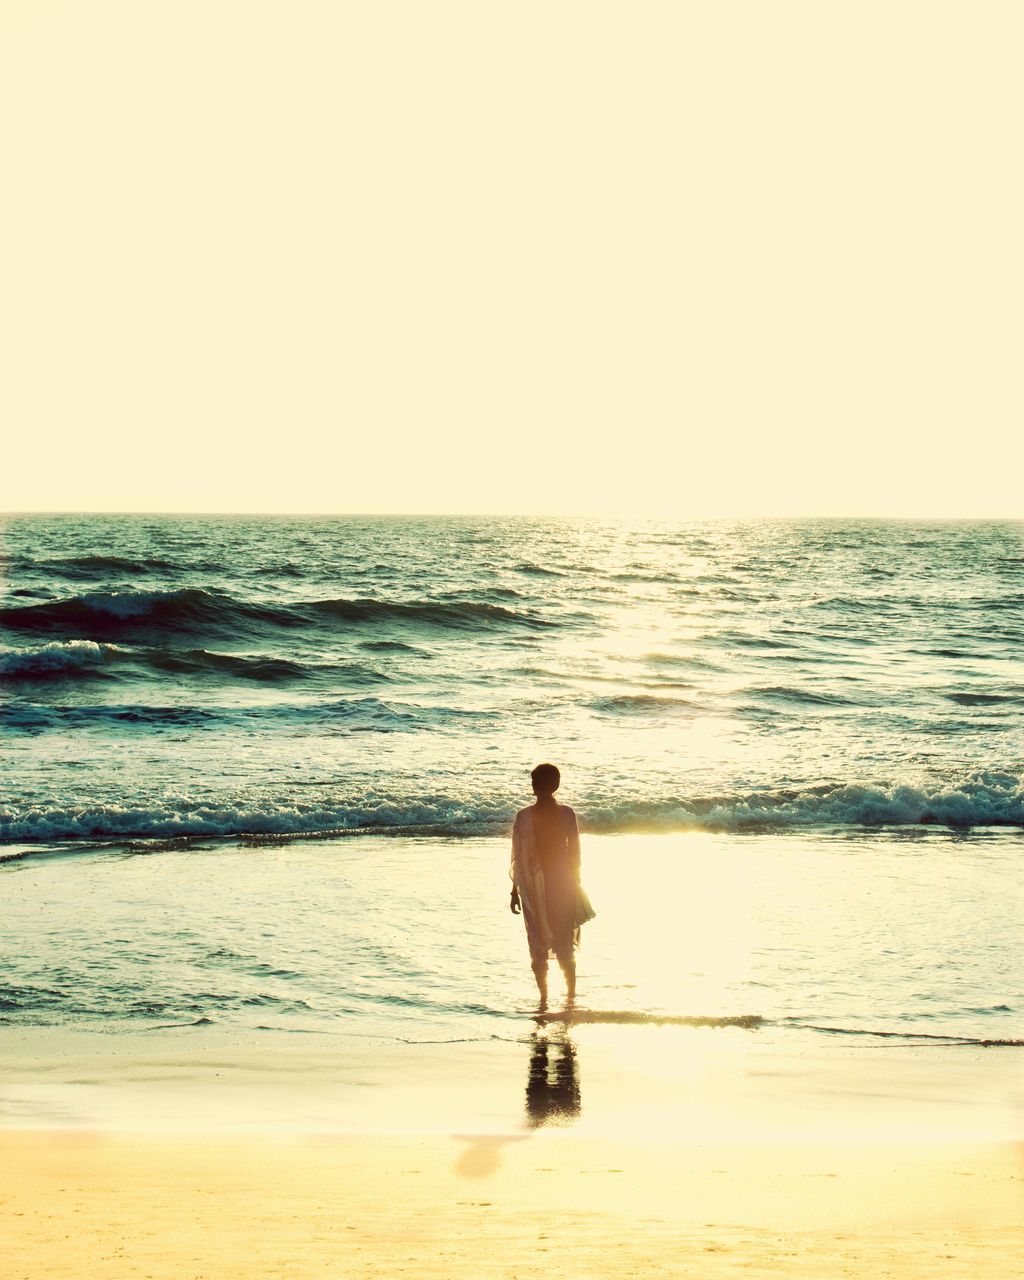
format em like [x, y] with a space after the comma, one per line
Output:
[261, 771]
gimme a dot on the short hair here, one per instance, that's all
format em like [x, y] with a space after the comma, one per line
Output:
[546, 778]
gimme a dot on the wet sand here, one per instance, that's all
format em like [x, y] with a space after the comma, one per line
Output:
[698, 1151]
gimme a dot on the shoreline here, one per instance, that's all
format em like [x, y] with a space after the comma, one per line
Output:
[609, 1151]
[417, 1118]
[13, 848]
[599, 1080]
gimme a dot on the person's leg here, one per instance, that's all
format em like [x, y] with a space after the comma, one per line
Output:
[538, 954]
[540, 972]
[567, 963]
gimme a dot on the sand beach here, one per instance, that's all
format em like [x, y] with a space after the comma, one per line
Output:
[111, 1206]
[711, 1152]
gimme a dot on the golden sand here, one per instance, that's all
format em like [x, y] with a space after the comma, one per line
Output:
[90, 1206]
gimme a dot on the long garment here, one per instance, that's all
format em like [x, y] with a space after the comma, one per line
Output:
[546, 870]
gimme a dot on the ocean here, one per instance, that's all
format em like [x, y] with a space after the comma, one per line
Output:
[261, 771]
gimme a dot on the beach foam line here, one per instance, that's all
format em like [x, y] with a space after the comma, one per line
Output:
[983, 1042]
[751, 1022]
[631, 1017]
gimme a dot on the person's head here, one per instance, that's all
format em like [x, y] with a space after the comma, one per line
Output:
[545, 779]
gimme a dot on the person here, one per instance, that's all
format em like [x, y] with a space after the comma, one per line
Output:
[545, 875]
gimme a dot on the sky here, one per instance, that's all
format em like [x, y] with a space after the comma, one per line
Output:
[677, 259]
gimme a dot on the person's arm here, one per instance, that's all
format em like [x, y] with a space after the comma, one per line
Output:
[514, 903]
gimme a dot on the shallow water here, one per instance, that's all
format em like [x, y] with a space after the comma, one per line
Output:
[828, 715]
[905, 935]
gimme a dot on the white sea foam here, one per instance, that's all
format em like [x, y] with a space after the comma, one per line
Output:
[57, 656]
[992, 800]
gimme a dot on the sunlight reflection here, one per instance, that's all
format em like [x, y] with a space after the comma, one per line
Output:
[684, 931]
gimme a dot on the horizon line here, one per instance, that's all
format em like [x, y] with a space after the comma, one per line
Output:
[930, 518]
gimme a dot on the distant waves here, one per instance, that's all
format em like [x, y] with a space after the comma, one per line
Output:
[89, 659]
[104, 613]
[279, 677]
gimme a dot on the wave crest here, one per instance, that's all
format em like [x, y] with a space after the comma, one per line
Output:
[59, 659]
[642, 704]
[97, 614]
[989, 799]
[89, 566]
[981, 799]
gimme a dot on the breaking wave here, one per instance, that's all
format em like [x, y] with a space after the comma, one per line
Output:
[990, 800]
[56, 660]
[986, 799]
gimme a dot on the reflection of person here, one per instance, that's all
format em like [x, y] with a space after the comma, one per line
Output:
[545, 875]
[552, 1096]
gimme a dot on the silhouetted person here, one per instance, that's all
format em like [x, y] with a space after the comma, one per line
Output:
[545, 874]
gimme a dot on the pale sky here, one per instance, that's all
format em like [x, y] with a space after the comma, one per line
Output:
[684, 259]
